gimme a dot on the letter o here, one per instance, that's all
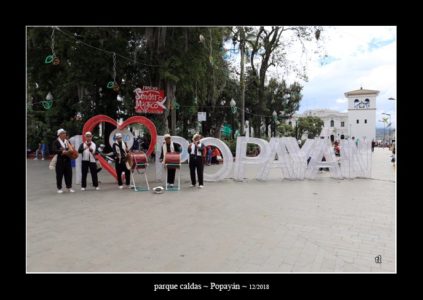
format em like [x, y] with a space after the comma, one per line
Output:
[228, 159]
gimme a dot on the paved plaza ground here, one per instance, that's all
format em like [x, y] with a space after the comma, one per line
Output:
[321, 225]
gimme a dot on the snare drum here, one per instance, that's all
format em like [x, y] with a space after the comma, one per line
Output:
[173, 159]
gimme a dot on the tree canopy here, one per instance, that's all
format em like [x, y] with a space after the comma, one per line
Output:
[188, 63]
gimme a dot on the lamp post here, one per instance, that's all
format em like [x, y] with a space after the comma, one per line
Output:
[275, 116]
[389, 125]
[233, 108]
[394, 111]
[384, 127]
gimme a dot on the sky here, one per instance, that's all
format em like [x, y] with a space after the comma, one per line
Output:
[350, 57]
[356, 57]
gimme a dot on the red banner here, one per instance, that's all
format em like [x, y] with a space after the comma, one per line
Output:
[149, 100]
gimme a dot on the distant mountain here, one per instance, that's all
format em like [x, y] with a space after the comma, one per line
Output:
[380, 133]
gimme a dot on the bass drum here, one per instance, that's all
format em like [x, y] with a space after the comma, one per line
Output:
[173, 159]
[136, 160]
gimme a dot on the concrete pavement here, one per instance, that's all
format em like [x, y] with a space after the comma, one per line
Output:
[322, 225]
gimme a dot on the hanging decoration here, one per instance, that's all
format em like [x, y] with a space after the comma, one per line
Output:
[52, 58]
[113, 84]
[48, 103]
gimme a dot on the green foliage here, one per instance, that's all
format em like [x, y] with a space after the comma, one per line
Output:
[310, 125]
[231, 144]
[153, 56]
[286, 130]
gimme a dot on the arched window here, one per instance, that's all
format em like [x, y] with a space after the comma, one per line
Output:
[332, 123]
[356, 102]
[367, 103]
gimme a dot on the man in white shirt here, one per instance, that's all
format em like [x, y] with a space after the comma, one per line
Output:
[88, 149]
[195, 150]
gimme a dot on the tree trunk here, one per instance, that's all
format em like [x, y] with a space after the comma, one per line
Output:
[267, 126]
[186, 40]
[108, 128]
[184, 132]
[242, 48]
[170, 96]
[256, 125]
[162, 38]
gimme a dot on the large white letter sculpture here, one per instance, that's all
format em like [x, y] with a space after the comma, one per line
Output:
[76, 141]
[158, 151]
[322, 149]
[282, 162]
[294, 162]
[241, 155]
[228, 159]
[356, 161]
[298, 156]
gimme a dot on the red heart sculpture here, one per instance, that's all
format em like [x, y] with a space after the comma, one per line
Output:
[94, 121]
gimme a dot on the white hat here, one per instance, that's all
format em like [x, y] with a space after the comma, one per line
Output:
[118, 135]
[158, 190]
[60, 131]
[167, 135]
[88, 133]
[195, 136]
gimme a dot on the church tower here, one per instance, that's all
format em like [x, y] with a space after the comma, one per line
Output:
[362, 113]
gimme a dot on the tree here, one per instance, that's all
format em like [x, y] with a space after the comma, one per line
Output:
[192, 69]
[79, 82]
[286, 130]
[267, 44]
[283, 100]
[310, 125]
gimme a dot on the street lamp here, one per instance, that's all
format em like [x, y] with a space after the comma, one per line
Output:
[389, 125]
[233, 105]
[384, 127]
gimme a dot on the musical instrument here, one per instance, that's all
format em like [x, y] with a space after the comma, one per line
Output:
[173, 159]
[136, 160]
[72, 153]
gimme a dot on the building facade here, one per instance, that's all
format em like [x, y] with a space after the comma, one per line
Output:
[335, 124]
[362, 113]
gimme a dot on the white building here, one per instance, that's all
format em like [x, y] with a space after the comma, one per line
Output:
[358, 122]
[335, 123]
[362, 113]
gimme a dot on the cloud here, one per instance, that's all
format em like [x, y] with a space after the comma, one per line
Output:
[352, 57]
[364, 57]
